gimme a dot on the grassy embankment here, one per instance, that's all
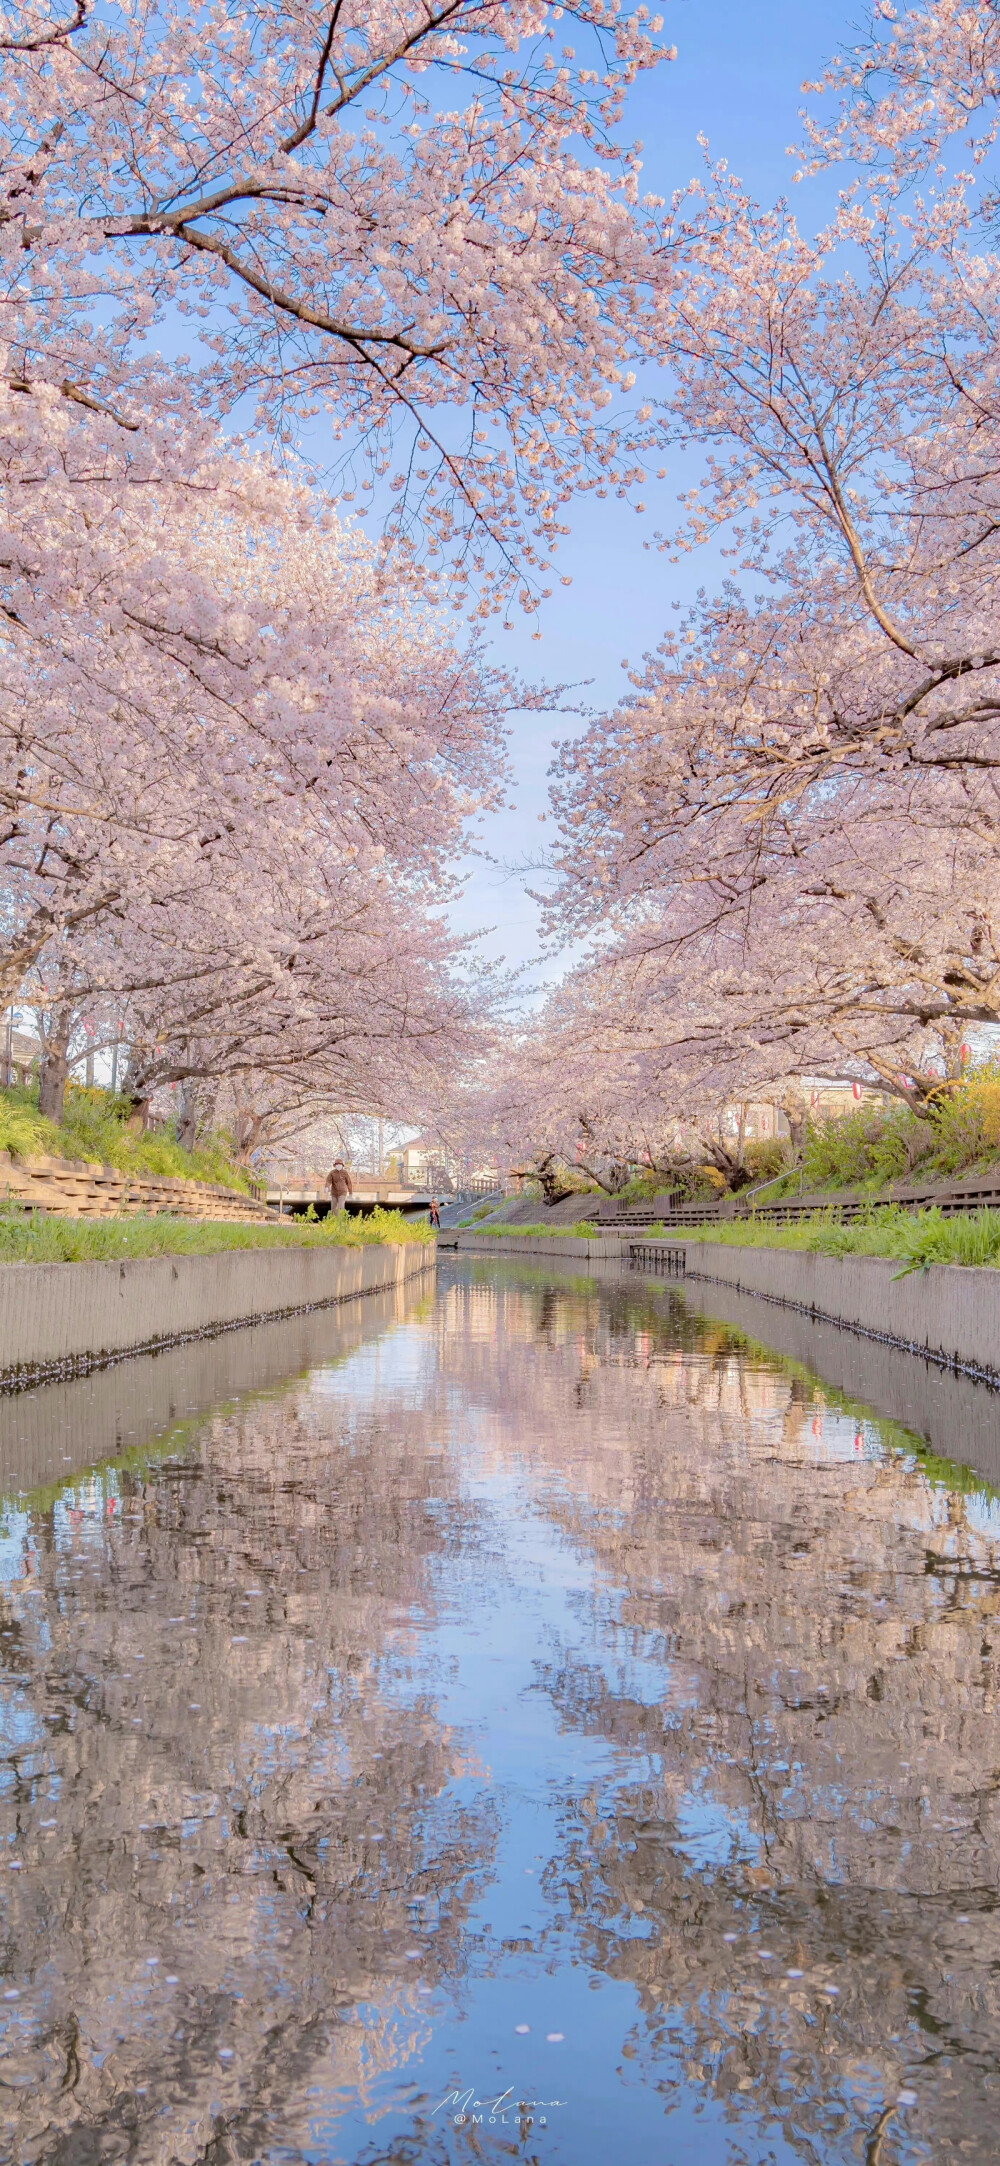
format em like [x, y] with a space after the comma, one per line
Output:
[956, 1135]
[110, 1240]
[913, 1238]
[95, 1128]
[585, 1230]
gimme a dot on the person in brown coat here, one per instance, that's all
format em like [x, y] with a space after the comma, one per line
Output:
[340, 1185]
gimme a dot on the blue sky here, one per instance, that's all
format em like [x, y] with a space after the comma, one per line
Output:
[737, 80]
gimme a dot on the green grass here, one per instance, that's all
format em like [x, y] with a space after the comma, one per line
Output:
[109, 1240]
[584, 1230]
[95, 1128]
[914, 1238]
[957, 1133]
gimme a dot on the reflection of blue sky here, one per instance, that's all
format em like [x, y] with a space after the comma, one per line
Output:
[712, 1834]
[15, 1541]
[983, 1513]
[837, 1436]
[400, 1361]
[21, 1731]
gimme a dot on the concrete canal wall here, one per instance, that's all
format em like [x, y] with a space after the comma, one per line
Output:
[64, 1318]
[71, 1422]
[609, 1249]
[957, 1415]
[949, 1313]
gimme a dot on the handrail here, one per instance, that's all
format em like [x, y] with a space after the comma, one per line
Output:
[772, 1183]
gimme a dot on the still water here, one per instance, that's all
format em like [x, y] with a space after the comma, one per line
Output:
[528, 1721]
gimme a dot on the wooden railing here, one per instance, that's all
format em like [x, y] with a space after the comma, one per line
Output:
[976, 1194]
[74, 1188]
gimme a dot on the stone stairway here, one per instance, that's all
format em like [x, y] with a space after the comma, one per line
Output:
[75, 1188]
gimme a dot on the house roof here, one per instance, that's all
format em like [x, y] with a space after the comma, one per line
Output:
[22, 1046]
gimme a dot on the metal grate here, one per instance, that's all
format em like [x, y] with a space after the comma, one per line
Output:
[663, 1256]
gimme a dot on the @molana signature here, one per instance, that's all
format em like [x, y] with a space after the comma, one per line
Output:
[464, 2107]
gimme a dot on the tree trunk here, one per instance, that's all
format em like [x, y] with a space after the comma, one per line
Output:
[249, 1130]
[55, 1072]
[187, 1129]
[728, 1163]
[796, 1113]
[187, 1126]
[554, 1185]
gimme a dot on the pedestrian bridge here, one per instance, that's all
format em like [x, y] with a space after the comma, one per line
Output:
[292, 1198]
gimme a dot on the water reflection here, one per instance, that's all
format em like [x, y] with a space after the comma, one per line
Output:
[546, 1699]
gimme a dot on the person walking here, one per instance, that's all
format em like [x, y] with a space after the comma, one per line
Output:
[435, 1213]
[340, 1185]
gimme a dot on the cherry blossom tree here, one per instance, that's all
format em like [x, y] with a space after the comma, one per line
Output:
[340, 993]
[849, 925]
[415, 219]
[237, 752]
[209, 688]
[782, 845]
[858, 409]
[294, 989]
[922, 82]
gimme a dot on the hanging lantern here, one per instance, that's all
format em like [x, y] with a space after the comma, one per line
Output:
[857, 1089]
[966, 1054]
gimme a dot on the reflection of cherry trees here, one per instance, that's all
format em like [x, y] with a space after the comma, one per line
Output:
[233, 1860]
[795, 1633]
[236, 1845]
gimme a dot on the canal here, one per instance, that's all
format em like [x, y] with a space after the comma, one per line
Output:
[529, 1719]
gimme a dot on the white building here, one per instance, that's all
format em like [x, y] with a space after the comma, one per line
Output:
[424, 1163]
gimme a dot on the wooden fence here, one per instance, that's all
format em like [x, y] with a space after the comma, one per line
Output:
[981, 1192]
